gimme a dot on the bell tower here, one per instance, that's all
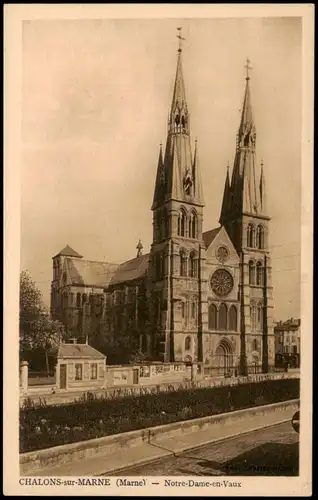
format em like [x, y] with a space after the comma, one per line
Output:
[244, 215]
[176, 251]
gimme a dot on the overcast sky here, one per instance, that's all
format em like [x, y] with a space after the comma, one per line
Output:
[95, 100]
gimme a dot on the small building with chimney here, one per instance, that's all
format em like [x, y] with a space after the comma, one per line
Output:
[79, 367]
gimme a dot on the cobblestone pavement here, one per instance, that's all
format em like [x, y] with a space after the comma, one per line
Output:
[272, 451]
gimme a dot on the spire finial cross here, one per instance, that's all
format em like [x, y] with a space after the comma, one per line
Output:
[248, 67]
[180, 38]
[139, 248]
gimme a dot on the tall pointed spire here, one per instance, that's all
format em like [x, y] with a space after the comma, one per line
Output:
[247, 131]
[244, 191]
[180, 178]
[226, 198]
[178, 121]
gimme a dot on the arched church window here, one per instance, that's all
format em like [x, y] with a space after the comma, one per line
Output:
[233, 319]
[250, 235]
[259, 273]
[187, 343]
[183, 223]
[183, 309]
[212, 319]
[193, 265]
[193, 310]
[254, 345]
[183, 263]
[253, 316]
[260, 316]
[78, 300]
[182, 220]
[159, 265]
[223, 317]
[194, 226]
[251, 272]
[260, 237]
[177, 119]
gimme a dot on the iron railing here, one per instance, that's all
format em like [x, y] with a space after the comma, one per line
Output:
[232, 371]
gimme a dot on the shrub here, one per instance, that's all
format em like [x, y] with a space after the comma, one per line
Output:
[47, 426]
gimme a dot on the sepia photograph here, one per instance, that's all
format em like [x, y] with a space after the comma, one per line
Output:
[160, 297]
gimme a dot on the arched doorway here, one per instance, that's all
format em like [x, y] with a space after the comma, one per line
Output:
[224, 358]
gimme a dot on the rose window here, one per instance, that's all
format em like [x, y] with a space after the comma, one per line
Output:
[222, 254]
[222, 282]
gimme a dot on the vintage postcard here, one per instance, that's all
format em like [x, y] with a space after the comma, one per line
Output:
[158, 250]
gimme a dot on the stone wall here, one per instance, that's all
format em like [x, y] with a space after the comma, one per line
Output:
[60, 455]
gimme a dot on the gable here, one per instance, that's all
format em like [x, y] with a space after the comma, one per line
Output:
[68, 252]
[209, 236]
[221, 239]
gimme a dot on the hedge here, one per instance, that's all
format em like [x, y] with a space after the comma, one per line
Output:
[48, 426]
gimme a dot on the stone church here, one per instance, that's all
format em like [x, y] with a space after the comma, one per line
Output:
[196, 296]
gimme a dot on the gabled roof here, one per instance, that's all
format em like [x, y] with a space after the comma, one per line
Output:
[90, 273]
[131, 270]
[209, 236]
[68, 252]
[79, 351]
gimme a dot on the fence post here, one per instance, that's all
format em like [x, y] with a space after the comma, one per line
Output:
[24, 375]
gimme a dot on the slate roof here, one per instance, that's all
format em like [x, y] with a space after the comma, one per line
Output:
[90, 273]
[131, 270]
[209, 236]
[79, 351]
[68, 252]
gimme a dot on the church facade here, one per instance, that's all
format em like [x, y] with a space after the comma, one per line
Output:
[196, 296]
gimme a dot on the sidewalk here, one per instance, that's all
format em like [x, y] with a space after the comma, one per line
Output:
[106, 464]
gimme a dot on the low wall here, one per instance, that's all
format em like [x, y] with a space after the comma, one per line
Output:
[137, 390]
[150, 374]
[60, 455]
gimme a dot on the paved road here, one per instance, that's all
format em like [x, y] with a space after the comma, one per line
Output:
[267, 452]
